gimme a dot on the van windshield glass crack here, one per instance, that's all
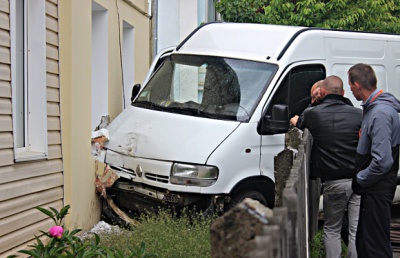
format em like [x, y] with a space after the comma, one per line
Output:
[205, 86]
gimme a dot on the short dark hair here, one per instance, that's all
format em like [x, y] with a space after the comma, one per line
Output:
[364, 75]
[333, 84]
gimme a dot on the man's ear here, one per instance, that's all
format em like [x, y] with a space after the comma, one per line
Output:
[358, 86]
[342, 92]
[322, 92]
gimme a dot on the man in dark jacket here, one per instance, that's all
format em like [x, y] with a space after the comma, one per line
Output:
[334, 126]
[377, 162]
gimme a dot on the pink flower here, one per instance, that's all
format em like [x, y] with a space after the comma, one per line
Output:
[56, 231]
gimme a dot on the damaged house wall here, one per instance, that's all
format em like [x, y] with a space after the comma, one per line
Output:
[84, 23]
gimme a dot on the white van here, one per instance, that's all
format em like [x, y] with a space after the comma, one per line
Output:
[204, 128]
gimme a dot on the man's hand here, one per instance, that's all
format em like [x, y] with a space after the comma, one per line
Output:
[293, 120]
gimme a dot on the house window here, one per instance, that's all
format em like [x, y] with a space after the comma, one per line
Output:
[205, 11]
[28, 79]
[127, 62]
[99, 63]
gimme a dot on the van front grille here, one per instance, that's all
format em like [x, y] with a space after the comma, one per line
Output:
[157, 178]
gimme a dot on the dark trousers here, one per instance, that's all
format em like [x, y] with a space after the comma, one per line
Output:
[373, 231]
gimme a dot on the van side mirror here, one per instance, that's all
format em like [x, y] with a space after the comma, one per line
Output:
[135, 91]
[276, 123]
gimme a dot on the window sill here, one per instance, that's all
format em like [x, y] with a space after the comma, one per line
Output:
[30, 156]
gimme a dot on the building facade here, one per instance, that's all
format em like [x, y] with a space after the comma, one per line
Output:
[63, 65]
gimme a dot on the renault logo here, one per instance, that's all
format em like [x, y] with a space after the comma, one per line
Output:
[139, 171]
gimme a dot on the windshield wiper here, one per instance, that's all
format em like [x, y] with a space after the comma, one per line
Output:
[147, 104]
[191, 111]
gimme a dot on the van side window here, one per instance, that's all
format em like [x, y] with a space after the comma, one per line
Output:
[294, 90]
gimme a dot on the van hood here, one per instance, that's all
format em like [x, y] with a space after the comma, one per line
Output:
[144, 133]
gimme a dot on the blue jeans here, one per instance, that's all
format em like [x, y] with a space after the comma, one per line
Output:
[338, 196]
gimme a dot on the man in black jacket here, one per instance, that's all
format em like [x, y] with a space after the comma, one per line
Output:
[334, 126]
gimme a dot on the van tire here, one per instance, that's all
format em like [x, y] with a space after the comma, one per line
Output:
[238, 197]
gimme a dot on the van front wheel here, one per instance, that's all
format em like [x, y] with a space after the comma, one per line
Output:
[238, 197]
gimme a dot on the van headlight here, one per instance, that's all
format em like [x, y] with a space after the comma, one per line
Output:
[196, 175]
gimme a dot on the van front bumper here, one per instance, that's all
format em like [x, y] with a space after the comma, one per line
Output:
[137, 198]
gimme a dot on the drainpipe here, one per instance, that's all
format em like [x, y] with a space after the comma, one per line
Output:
[154, 29]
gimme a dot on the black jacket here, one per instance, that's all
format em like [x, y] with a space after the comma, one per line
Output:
[334, 126]
[299, 123]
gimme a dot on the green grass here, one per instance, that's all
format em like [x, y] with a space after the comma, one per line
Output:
[165, 235]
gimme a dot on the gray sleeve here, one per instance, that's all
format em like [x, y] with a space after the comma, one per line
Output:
[379, 131]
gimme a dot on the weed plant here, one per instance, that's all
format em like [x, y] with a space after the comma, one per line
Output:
[166, 235]
[317, 249]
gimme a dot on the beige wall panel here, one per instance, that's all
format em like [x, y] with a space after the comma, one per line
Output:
[5, 106]
[5, 123]
[4, 21]
[54, 152]
[53, 109]
[5, 89]
[52, 80]
[5, 6]
[5, 72]
[51, 52]
[53, 1]
[23, 171]
[141, 5]
[53, 123]
[51, 9]
[6, 141]
[21, 236]
[27, 202]
[24, 246]
[52, 37]
[6, 158]
[51, 23]
[53, 138]
[31, 185]
[53, 95]
[4, 38]
[5, 55]
[23, 219]
[51, 66]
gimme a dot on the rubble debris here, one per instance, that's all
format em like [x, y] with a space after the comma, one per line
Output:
[100, 136]
[106, 180]
[104, 122]
[121, 214]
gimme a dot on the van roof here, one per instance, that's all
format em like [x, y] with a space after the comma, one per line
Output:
[254, 41]
[241, 40]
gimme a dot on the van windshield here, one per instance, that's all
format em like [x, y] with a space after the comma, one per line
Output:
[205, 86]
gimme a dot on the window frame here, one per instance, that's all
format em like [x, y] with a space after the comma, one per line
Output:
[30, 130]
[287, 85]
